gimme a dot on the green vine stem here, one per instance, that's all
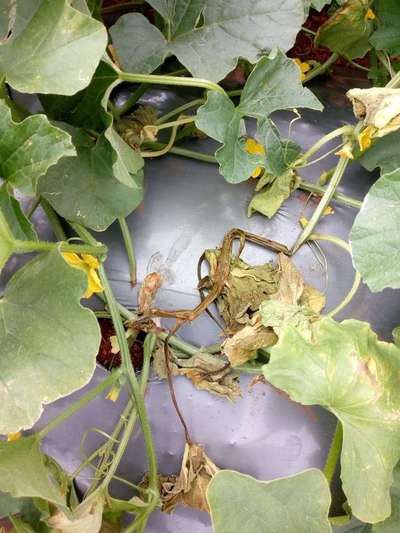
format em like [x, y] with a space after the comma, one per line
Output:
[357, 278]
[334, 453]
[23, 247]
[134, 385]
[83, 400]
[33, 207]
[167, 147]
[304, 185]
[131, 101]
[130, 251]
[170, 80]
[324, 202]
[181, 109]
[343, 130]
[321, 68]
[54, 220]
[179, 122]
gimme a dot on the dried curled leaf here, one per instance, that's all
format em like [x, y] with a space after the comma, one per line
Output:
[243, 346]
[245, 288]
[206, 371]
[190, 486]
[293, 302]
[147, 293]
[378, 107]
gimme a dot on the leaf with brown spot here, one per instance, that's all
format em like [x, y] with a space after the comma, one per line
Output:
[347, 370]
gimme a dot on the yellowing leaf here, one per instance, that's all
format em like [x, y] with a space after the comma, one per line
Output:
[89, 264]
[87, 517]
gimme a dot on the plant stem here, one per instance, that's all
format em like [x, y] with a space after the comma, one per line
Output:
[167, 147]
[343, 130]
[357, 278]
[131, 101]
[339, 197]
[130, 251]
[334, 453]
[170, 80]
[133, 382]
[322, 68]
[23, 247]
[86, 398]
[179, 122]
[33, 207]
[179, 110]
[385, 62]
[324, 202]
[361, 67]
[54, 220]
[394, 82]
[117, 7]
[306, 30]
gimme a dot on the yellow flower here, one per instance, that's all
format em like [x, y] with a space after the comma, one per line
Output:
[113, 395]
[11, 437]
[253, 147]
[370, 15]
[89, 264]
[304, 68]
[365, 137]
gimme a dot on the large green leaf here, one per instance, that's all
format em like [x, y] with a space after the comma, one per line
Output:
[88, 109]
[227, 31]
[375, 236]
[294, 504]
[346, 369]
[348, 30]
[19, 225]
[279, 153]
[387, 36]
[384, 153]
[48, 340]
[83, 188]
[29, 148]
[262, 94]
[23, 472]
[55, 49]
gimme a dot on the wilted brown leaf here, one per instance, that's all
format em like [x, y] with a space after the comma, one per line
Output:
[147, 293]
[245, 288]
[206, 371]
[190, 486]
[244, 344]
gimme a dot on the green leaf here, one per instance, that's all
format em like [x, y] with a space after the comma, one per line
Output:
[29, 148]
[348, 30]
[346, 369]
[180, 15]
[269, 200]
[212, 49]
[48, 340]
[262, 95]
[375, 237]
[278, 154]
[275, 84]
[319, 4]
[383, 153]
[57, 51]
[387, 36]
[83, 109]
[6, 241]
[83, 188]
[9, 504]
[294, 504]
[23, 472]
[19, 225]
[88, 109]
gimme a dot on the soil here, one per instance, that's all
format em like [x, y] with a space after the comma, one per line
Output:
[109, 360]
